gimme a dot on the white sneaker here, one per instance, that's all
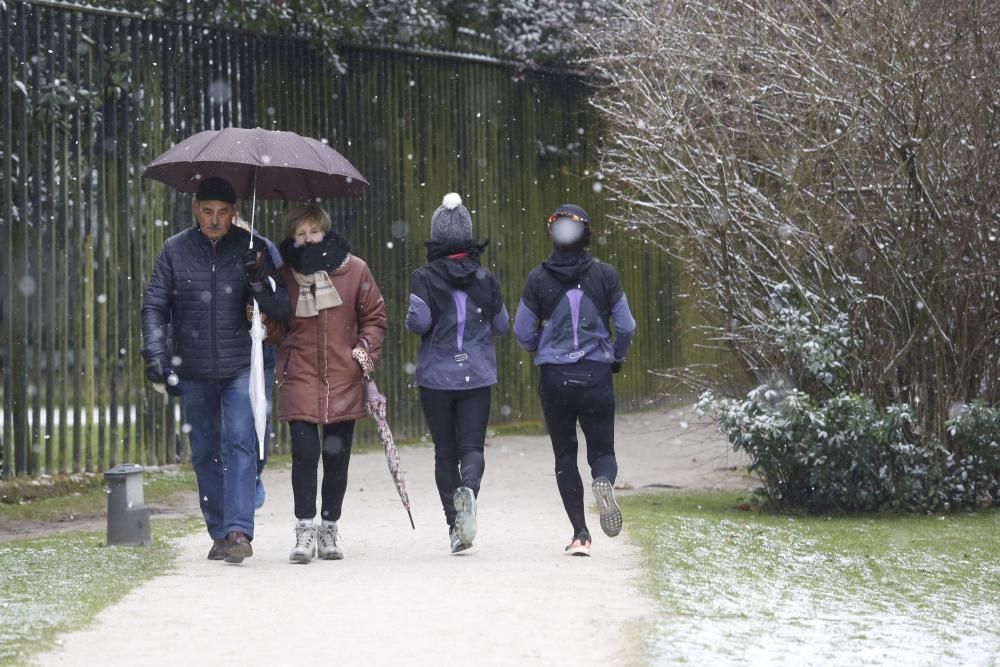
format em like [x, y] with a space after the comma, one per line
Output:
[329, 541]
[466, 524]
[305, 542]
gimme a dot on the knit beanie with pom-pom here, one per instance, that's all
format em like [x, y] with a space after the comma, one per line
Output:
[451, 222]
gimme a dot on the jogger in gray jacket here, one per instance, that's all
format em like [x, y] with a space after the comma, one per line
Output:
[457, 308]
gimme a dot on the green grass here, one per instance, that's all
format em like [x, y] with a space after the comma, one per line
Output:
[736, 587]
[159, 486]
[57, 584]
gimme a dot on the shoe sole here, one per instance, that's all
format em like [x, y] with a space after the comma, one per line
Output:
[579, 551]
[611, 516]
[300, 559]
[235, 553]
[466, 525]
[333, 556]
[460, 548]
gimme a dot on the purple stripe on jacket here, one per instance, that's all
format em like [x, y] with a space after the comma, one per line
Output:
[539, 339]
[460, 298]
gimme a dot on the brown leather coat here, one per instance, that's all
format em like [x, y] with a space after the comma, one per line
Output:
[318, 380]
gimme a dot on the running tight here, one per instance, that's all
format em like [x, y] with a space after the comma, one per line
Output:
[579, 392]
[457, 422]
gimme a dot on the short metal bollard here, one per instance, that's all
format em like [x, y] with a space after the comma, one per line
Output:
[128, 516]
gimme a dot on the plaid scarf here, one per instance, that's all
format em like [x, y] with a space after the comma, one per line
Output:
[316, 293]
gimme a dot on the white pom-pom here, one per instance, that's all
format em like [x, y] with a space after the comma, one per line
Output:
[452, 200]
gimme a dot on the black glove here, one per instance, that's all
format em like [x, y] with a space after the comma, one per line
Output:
[263, 287]
[253, 264]
[158, 372]
[154, 371]
[616, 365]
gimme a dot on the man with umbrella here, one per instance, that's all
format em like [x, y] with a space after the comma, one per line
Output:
[201, 284]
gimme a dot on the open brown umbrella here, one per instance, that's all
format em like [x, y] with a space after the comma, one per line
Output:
[266, 164]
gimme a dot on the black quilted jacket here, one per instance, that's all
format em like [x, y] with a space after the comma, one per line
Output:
[202, 291]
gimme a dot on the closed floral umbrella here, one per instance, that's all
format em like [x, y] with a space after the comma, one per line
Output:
[375, 404]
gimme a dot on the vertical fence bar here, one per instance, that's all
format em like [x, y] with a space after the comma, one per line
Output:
[56, 29]
[61, 267]
[7, 223]
[20, 240]
[35, 218]
[105, 170]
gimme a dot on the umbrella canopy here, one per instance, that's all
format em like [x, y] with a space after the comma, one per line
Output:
[283, 165]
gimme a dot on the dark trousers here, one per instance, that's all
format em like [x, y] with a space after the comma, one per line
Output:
[457, 422]
[306, 451]
[579, 392]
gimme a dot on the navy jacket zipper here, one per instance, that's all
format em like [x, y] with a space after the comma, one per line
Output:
[215, 355]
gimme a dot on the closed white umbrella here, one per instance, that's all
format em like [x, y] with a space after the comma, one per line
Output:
[258, 395]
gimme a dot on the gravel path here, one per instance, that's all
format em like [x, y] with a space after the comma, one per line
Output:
[399, 595]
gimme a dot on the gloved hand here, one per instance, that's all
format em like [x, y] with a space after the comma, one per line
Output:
[361, 356]
[154, 371]
[253, 264]
[616, 366]
[163, 375]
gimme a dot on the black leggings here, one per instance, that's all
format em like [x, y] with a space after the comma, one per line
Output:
[306, 450]
[582, 391]
[457, 422]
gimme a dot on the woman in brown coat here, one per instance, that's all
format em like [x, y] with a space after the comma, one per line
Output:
[335, 307]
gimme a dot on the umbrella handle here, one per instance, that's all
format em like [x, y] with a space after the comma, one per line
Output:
[253, 205]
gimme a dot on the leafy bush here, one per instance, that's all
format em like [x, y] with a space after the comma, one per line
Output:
[841, 452]
[974, 430]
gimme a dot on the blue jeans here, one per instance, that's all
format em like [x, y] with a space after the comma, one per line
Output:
[223, 451]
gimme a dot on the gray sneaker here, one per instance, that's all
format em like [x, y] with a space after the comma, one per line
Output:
[466, 524]
[305, 542]
[329, 541]
[457, 544]
[611, 516]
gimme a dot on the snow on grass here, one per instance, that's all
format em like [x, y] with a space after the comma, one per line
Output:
[739, 588]
[55, 584]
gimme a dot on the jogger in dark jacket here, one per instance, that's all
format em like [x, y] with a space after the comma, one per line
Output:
[457, 308]
[564, 317]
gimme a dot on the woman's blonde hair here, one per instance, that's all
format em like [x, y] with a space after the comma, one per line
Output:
[308, 213]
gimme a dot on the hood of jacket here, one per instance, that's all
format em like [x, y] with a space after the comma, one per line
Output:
[459, 271]
[567, 266]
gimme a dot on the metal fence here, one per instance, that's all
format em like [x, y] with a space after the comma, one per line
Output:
[87, 97]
